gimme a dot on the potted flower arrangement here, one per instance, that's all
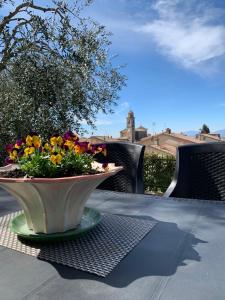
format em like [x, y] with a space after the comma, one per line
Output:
[53, 179]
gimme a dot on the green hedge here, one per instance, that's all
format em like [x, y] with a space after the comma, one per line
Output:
[158, 172]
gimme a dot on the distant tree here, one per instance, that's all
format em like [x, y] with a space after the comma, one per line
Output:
[55, 68]
[205, 129]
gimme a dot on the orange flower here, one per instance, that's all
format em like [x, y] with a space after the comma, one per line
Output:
[36, 141]
[77, 149]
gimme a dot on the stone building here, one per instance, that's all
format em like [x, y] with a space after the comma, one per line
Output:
[140, 133]
[166, 143]
[209, 137]
[131, 133]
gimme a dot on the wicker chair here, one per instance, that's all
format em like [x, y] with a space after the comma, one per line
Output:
[200, 172]
[130, 156]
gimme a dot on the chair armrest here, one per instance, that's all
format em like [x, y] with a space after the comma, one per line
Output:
[171, 188]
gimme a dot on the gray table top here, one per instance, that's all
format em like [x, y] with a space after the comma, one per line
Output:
[182, 258]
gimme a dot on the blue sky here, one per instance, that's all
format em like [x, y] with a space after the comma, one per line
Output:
[174, 51]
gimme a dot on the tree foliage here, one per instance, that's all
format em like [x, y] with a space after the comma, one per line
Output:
[158, 172]
[55, 68]
[205, 129]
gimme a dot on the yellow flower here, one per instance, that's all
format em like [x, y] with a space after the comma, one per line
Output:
[59, 140]
[52, 150]
[29, 150]
[53, 141]
[56, 140]
[32, 149]
[17, 146]
[46, 146]
[26, 151]
[56, 159]
[53, 159]
[36, 141]
[69, 144]
[62, 152]
[13, 155]
[29, 140]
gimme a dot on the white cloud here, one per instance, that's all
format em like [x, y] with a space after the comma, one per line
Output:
[188, 34]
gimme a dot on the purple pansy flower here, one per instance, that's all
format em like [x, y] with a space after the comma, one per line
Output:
[84, 145]
[19, 142]
[8, 161]
[70, 135]
[9, 147]
[21, 153]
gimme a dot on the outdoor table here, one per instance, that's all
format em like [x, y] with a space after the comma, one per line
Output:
[183, 257]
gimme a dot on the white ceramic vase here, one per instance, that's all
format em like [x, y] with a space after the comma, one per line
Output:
[54, 205]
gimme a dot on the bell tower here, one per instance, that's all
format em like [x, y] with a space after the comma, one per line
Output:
[131, 127]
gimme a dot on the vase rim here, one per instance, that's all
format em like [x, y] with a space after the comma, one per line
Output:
[62, 179]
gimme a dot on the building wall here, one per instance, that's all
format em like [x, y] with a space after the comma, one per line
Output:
[207, 138]
[151, 150]
[140, 134]
[168, 139]
[123, 133]
[130, 132]
[167, 142]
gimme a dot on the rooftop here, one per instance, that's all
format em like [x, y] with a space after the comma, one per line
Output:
[215, 137]
[141, 128]
[176, 135]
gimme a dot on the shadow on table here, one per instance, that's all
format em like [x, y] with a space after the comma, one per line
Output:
[7, 203]
[160, 253]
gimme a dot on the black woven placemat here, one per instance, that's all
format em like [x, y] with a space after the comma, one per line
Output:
[98, 252]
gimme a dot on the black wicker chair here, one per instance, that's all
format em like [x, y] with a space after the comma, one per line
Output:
[200, 172]
[130, 156]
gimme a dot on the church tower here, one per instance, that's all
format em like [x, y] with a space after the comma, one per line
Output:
[131, 127]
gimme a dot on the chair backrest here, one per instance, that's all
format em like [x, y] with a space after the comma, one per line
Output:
[200, 172]
[130, 156]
